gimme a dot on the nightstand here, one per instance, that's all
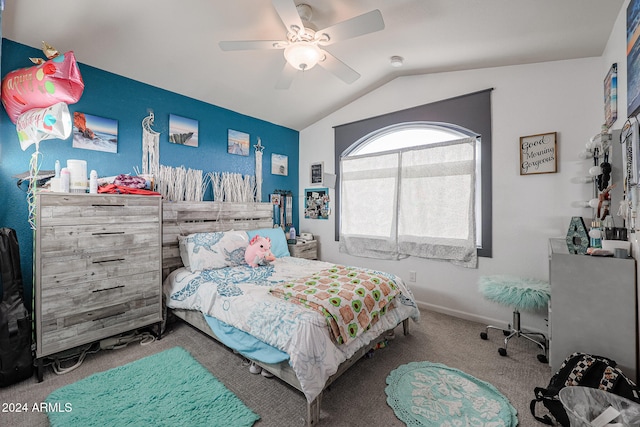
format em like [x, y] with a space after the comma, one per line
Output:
[308, 250]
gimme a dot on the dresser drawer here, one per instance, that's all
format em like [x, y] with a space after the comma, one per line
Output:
[97, 265]
[60, 241]
[67, 298]
[71, 315]
[56, 209]
[108, 321]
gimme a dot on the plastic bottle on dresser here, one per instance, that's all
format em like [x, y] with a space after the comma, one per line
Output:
[93, 182]
[292, 233]
[65, 176]
[596, 235]
[57, 169]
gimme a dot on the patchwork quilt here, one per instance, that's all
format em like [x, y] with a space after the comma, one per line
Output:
[239, 296]
[351, 299]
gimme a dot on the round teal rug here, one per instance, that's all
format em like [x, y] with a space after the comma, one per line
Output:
[433, 394]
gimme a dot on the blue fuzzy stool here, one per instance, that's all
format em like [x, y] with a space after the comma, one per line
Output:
[521, 294]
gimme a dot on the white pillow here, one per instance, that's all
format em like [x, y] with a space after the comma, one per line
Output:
[205, 251]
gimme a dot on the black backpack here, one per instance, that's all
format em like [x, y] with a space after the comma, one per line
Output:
[586, 370]
[16, 357]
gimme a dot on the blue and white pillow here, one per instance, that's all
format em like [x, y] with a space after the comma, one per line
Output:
[205, 251]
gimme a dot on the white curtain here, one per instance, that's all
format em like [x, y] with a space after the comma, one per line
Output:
[415, 202]
[368, 209]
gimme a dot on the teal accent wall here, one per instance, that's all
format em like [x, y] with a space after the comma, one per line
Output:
[129, 102]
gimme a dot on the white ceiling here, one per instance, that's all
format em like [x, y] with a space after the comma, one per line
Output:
[174, 44]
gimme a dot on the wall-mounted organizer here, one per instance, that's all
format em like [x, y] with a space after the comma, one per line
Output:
[282, 201]
[629, 140]
[605, 174]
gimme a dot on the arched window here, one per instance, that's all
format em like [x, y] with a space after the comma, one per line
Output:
[423, 177]
[404, 135]
[423, 167]
[415, 134]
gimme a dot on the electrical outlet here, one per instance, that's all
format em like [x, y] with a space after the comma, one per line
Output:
[412, 276]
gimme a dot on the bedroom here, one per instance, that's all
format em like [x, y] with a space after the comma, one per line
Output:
[527, 210]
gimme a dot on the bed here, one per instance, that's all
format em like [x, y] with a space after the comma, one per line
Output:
[233, 302]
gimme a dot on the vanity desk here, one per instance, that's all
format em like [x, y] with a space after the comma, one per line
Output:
[593, 307]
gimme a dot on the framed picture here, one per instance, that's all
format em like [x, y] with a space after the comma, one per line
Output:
[279, 164]
[538, 154]
[611, 96]
[633, 58]
[316, 203]
[95, 133]
[238, 143]
[317, 173]
[183, 131]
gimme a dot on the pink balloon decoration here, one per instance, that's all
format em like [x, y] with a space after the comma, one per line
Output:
[56, 80]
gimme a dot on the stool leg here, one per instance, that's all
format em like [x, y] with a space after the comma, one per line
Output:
[485, 335]
[518, 332]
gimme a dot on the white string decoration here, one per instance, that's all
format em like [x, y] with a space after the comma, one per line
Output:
[259, 148]
[216, 186]
[232, 187]
[34, 169]
[179, 184]
[248, 189]
[193, 190]
[150, 148]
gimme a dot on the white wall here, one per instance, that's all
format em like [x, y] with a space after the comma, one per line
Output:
[564, 97]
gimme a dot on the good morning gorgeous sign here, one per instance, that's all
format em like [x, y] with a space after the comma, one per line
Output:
[538, 154]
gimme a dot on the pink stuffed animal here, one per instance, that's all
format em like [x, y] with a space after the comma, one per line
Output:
[259, 251]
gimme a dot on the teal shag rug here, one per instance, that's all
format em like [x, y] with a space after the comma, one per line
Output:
[166, 389]
[435, 395]
[517, 292]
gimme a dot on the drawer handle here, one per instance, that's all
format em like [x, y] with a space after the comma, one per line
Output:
[109, 205]
[108, 289]
[106, 317]
[107, 233]
[108, 260]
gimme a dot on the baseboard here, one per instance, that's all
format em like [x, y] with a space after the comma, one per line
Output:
[473, 317]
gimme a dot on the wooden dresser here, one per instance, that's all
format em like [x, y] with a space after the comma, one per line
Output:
[98, 263]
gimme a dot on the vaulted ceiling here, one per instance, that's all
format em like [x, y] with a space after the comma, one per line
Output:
[174, 45]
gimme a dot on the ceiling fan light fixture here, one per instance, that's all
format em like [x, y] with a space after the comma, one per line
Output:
[303, 55]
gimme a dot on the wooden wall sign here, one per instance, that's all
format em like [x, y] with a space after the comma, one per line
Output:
[538, 154]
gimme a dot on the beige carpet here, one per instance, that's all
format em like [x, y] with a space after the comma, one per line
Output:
[355, 399]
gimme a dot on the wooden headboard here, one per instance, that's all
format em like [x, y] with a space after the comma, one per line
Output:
[183, 218]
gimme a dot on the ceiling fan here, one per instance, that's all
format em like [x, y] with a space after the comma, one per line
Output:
[303, 46]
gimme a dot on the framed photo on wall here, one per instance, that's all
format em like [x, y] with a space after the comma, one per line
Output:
[279, 164]
[95, 133]
[183, 131]
[538, 154]
[633, 58]
[317, 173]
[238, 143]
[611, 96]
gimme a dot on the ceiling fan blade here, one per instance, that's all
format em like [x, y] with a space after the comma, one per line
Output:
[339, 68]
[288, 14]
[286, 77]
[362, 24]
[252, 44]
